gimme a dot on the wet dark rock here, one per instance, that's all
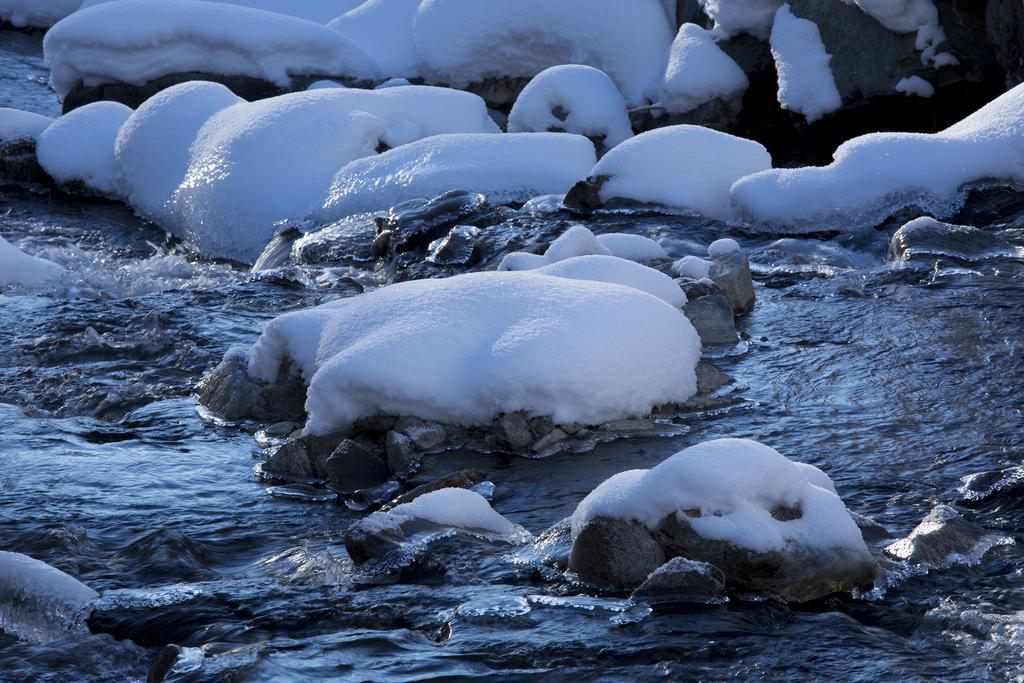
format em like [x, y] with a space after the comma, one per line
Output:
[943, 533]
[1004, 26]
[515, 431]
[695, 289]
[928, 239]
[462, 479]
[278, 253]
[586, 194]
[499, 93]
[552, 438]
[401, 451]
[455, 248]
[162, 664]
[870, 530]
[229, 391]
[684, 580]
[987, 487]
[425, 435]
[291, 461]
[615, 551]
[352, 467]
[18, 164]
[710, 378]
[414, 224]
[712, 317]
[731, 272]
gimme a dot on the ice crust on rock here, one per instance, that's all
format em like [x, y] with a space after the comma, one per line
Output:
[468, 348]
[876, 175]
[16, 125]
[135, 41]
[698, 72]
[383, 30]
[79, 147]
[806, 83]
[504, 167]
[39, 602]
[36, 13]
[21, 270]
[572, 98]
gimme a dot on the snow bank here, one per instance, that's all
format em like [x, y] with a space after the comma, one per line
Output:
[876, 175]
[39, 602]
[79, 147]
[466, 41]
[510, 167]
[806, 84]
[572, 98]
[455, 507]
[733, 17]
[698, 72]
[256, 163]
[16, 125]
[618, 271]
[19, 269]
[320, 11]
[36, 13]
[915, 85]
[735, 484]
[383, 30]
[135, 41]
[683, 167]
[467, 348]
[152, 149]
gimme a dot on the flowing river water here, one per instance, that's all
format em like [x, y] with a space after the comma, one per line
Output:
[897, 381]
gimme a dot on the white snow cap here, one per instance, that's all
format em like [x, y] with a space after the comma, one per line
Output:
[39, 602]
[16, 125]
[135, 41]
[152, 149]
[733, 17]
[698, 72]
[683, 167]
[505, 167]
[915, 85]
[572, 98]
[467, 41]
[911, 16]
[806, 83]
[632, 247]
[874, 176]
[36, 13]
[256, 163]
[467, 348]
[693, 267]
[79, 147]
[383, 30]
[455, 507]
[735, 484]
[619, 271]
[575, 241]
[723, 246]
[320, 11]
[18, 269]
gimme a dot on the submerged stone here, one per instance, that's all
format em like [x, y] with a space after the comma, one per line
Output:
[927, 239]
[941, 536]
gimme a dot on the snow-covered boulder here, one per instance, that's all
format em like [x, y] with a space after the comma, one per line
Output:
[152, 148]
[383, 30]
[699, 72]
[77, 150]
[19, 270]
[733, 17]
[256, 163]
[806, 83]
[36, 13]
[17, 125]
[572, 98]
[18, 133]
[876, 175]
[619, 271]
[579, 241]
[633, 247]
[466, 349]
[767, 523]
[320, 11]
[461, 42]
[137, 41]
[505, 168]
[38, 602]
[686, 168]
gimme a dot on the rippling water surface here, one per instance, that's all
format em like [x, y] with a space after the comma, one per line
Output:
[897, 382]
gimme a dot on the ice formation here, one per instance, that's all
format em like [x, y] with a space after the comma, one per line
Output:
[16, 125]
[572, 98]
[39, 602]
[467, 348]
[135, 41]
[21, 270]
[383, 30]
[79, 147]
[505, 167]
[698, 72]
[806, 83]
[876, 175]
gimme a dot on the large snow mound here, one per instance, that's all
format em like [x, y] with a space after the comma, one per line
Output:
[135, 41]
[698, 72]
[21, 270]
[684, 167]
[320, 11]
[39, 602]
[79, 147]
[36, 13]
[152, 149]
[572, 98]
[619, 271]
[467, 348]
[383, 30]
[733, 17]
[505, 167]
[16, 125]
[256, 163]
[874, 176]
[806, 83]
[735, 484]
[467, 41]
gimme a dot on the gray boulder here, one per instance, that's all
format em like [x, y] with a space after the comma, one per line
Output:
[616, 552]
[352, 467]
[231, 393]
[712, 317]
[682, 579]
[710, 378]
[401, 451]
[731, 272]
[927, 239]
[941, 535]
[290, 461]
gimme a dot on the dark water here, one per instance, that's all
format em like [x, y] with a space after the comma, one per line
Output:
[897, 382]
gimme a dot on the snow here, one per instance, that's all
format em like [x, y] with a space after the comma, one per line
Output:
[684, 167]
[915, 85]
[324, 84]
[38, 602]
[455, 507]
[460, 42]
[467, 348]
[876, 175]
[320, 11]
[693, 267]
[723, 247]
[505, 167]
[383, 30]
[135, 41]
[735, 483]
[17, 125]
[36, 13]
[698, 72]
[806, 83]
[909, 16]
[79, 147]
[572, 98]
[152, 149]
[575, 241]
[256, 163]
[619, 271]
[733, 17]
[632, 247]
[19, 269]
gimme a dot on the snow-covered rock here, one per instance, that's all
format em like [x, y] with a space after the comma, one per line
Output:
[915, 85]
[36, 13]
[733, 17]
[510, 167]
[255, 163]
[17, 125]
[383, 30]
[39, 602]
[876, 175]
[619, 271]
[152, 148]
[78, 148]
[576, 241]
[632, 247]
[135, 41]
[18, 133]
[908, 16]
[698, 72]
[20, 270]
[320, 11]
[465, 349]
[943, 537]
[460, 42]
[572, 98]
[806, 84]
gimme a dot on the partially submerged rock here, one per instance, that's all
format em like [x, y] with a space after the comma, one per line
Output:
[941, 537]
[925, 238]
[712, 317]
[681, 579]
[615, 551]
[230, 392]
